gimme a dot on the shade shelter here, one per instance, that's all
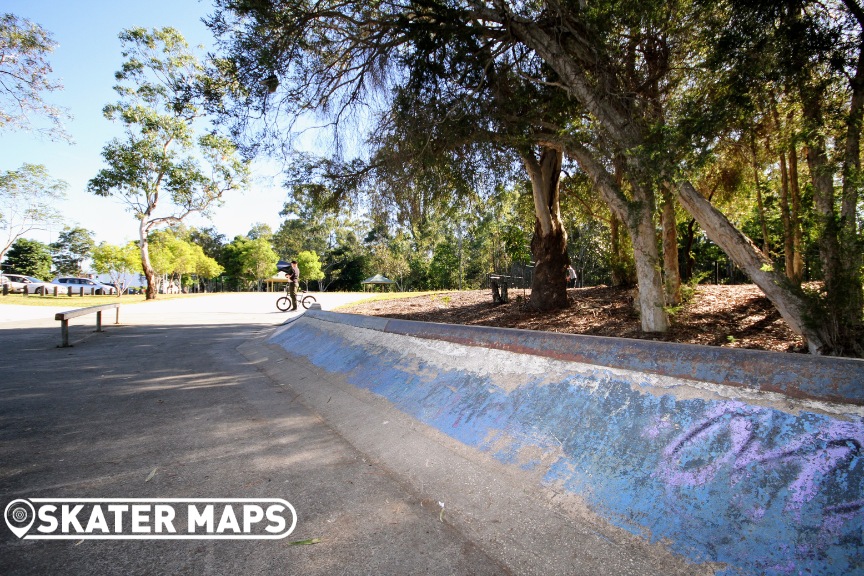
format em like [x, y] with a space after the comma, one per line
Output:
[378, 279]
[280, 280]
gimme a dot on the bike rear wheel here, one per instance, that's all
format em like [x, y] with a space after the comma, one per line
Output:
[283, 303]
[307, 301]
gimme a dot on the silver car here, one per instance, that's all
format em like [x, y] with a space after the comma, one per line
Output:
[88, 285]
[28, 284]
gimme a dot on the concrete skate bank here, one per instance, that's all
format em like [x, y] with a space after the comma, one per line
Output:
[690, 446]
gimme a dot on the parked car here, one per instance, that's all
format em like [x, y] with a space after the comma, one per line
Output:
[87, 283]
[28, 284]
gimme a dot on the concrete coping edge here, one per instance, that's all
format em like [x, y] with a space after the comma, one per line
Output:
[797, 375]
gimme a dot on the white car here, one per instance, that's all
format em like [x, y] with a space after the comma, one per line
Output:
[28, 284]
[88, 285]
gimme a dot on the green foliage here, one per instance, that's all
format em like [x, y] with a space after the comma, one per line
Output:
[24, 66]
[28, 257]
[444, 267]
[162, 169]
[118, 262]
[28, 198]
[108, 258]
[210, 241]
[260, 230]
[310, 267]
[249, 262]
[173, 256]
[72, 247]
[347, 264]
[688, 289]
[718, 94]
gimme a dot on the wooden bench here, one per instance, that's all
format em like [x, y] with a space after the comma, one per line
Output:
[64, 318]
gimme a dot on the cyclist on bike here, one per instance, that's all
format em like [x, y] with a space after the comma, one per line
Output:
[293, 279]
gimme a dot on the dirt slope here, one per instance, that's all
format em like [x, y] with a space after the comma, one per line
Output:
[717, 315]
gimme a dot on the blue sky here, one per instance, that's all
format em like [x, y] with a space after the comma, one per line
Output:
[87, 55]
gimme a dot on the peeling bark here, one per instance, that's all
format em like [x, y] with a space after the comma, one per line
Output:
[147, 268]
[549, 244]
[638, 214]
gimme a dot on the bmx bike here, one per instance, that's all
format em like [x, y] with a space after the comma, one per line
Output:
[303, 299]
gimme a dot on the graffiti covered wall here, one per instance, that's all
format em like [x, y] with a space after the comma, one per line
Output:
[760, 482]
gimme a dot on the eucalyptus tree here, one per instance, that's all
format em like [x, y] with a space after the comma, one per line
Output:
[28, 198]
[211, 241]
[308, 225]
[167, 166]
[174, 256]
[72, 247]
[626, 65]
[808, 57]
[25, 77]
[573, 38]
[118, 262]
[455, 103]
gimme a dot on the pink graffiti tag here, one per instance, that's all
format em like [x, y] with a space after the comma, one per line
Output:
[827, 450]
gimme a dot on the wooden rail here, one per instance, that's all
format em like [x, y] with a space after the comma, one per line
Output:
[64, 318]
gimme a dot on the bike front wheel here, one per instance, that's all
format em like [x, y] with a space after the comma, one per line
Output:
[307, 301]
[283, 303]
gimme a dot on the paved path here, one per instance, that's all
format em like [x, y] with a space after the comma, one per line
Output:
[212, 308]
[169, 391]
[187, 388]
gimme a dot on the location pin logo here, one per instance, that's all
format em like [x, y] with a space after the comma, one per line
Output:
[20, 515]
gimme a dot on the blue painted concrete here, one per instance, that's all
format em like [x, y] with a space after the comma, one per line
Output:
[798, 375]
[763, 490]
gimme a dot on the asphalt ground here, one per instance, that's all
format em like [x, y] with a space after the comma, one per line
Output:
[184, 399]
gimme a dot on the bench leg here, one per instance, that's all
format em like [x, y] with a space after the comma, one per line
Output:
[64, 333]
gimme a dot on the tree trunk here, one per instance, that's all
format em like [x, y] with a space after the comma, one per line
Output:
[638, 214]
[838, 236]
[549, 244]
[754, 263]
[147, 268]
[688, 250]
[850, 239]
[671, 271]
[766, 246]
[616, 257]
[619, 260]
[651, 299]
[797, 236]
[149, 273]
[786, 217]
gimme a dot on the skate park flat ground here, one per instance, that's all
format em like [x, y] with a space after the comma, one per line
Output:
[414, 448]
[185, 399]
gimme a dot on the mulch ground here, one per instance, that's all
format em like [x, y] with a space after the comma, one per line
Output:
[717, 315]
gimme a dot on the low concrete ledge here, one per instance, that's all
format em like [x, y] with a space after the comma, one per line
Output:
[795, 375]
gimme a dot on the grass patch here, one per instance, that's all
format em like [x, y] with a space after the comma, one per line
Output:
[88, 300]
[390, 296]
